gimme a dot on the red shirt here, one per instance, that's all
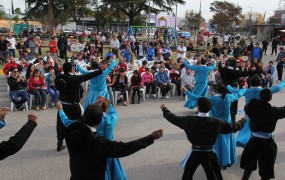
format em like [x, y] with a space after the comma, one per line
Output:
[122, 65]
[33, 84]
[141, 70]
[8, 66]
[53, 46]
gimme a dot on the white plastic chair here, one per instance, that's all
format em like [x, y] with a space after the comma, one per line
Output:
[173, 86]
[116, 96]
[12, 105]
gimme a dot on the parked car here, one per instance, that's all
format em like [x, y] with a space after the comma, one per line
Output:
[207, 33]
[4, 30]
[185, 35]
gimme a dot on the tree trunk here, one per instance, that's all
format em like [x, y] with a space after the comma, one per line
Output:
[131, 19]
[51, 18]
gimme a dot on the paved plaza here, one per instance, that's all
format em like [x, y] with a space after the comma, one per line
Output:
[161, 161]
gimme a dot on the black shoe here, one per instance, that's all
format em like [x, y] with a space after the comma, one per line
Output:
[138, 102]
[133, 102]
[59, 148]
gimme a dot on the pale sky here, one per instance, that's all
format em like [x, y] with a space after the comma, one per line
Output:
[261, 6]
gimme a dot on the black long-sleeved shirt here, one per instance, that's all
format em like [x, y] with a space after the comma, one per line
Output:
[230, 76]
[202, 131]
[71, 91]
[16, 86]
[263, 117]
[89, 152]
[16, 142]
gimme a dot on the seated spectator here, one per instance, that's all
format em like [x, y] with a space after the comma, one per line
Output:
[18, 89]
[37, 86]
[133, 66]
[10, 64]
[122, 64]
[26, 56]
[109, 53]
[30, 71]
[270, 73]
[50, 82]
[148, 81]
[190, 46]
[188, 80]
[166, 51]
[175, 77]
[162, 81]
[79, 59]
[121, 85]
[48, 56]
[159, 58]
[144, 65]
[136, 85]
[41, 65]
[73, 57]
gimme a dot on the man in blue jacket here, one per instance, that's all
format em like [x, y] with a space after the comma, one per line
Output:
[256, 52]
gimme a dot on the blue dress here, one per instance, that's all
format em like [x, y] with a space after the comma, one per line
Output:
[98, 84]
[251, 93]
[114, 169]
[225, 146]
[201, 85]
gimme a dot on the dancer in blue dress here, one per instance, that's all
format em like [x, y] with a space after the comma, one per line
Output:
[114, 169]
[225, 146]
[252, 93]
[98, 85]
[201, 78]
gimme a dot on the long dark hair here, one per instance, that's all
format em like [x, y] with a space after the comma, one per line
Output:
[221, 89]
[137, 79]
[29, 71]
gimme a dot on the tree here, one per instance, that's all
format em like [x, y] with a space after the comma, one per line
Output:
[2, 12]
[18, 11]
[192, 19]
[59, 11]
[226, 15]
[134, 8]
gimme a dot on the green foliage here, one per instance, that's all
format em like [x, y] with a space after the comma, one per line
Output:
[2, 12]
[226, 14]
[18, 11]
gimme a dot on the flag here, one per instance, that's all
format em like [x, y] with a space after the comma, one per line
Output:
[12, 7]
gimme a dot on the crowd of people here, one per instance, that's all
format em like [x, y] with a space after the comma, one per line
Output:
[212, 82]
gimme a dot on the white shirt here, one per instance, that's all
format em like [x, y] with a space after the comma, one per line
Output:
[141, 50]
[13, 43]
[51, 59]
[201, 114]
[182, 55]
[114, 43]
[132, 67]
[226, 38]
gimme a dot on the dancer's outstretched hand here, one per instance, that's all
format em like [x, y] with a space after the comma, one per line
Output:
[32, 117]
[3, 112]
[59, 106]
[157, 134]
[162, 106]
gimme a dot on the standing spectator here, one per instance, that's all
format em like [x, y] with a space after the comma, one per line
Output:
[21, 47]
[242, 43]
[76, 46]
[121, 84]
[148, 81]
[274, 46]
[115, 45]
[264, 46]
[53, 46]
[140, 50]
[10, 64]
[270, 73]
[181, 51]
[99, 45]
[62, 46]
[50, 81]
[34, 48]
[249, 49]
[12, 48]
[4, 44]
[216, 50]
[162, 81]
[238, 51]
[37, 88]
[188, 80]
[127, 53]
[226, 39]
[38, 40]
[136, 85]
[208, 42]
[215, 40]
[18, 86]
[256, 52]
[150, 52]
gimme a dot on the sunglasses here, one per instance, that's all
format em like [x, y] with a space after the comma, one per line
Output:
[15, 71]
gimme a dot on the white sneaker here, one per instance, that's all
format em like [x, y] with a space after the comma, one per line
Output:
[278, 81]
[167, 97]
[147, 95]
[154, 96]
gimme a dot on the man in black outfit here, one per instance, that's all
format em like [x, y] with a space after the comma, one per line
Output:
[264, 46]
[88, 151]
[261, 147]
[62, 45]
[202, 132]
[69, 88]
[16, 142]
[230, 76]
[274, 46]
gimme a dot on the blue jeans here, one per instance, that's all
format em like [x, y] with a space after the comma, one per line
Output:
[54, 94]
[40, 96]
[19, 97]
[12, 52]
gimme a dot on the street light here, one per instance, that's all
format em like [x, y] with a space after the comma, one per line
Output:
[148, 19]
[250, 31]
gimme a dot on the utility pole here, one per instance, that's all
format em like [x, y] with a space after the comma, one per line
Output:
[250, 31]
[148, 20]
[199, 19]
[27, 21]
[175, 30]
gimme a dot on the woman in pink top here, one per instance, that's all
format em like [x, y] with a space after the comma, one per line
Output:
[37, 86]
[148, 81]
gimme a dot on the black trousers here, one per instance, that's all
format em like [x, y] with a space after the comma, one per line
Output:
[136, 90]
[62, 53]
[115, 51]
[234, 109]
[178, 85]
[280, 73]
[209, 162]
[263, 152]
[264, 50]
[123, 89]
[274, 49]
[148, 86]
[73, 112]
[164, 89]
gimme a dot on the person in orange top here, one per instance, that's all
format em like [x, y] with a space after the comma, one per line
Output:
[53, 46]
[10, 64]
